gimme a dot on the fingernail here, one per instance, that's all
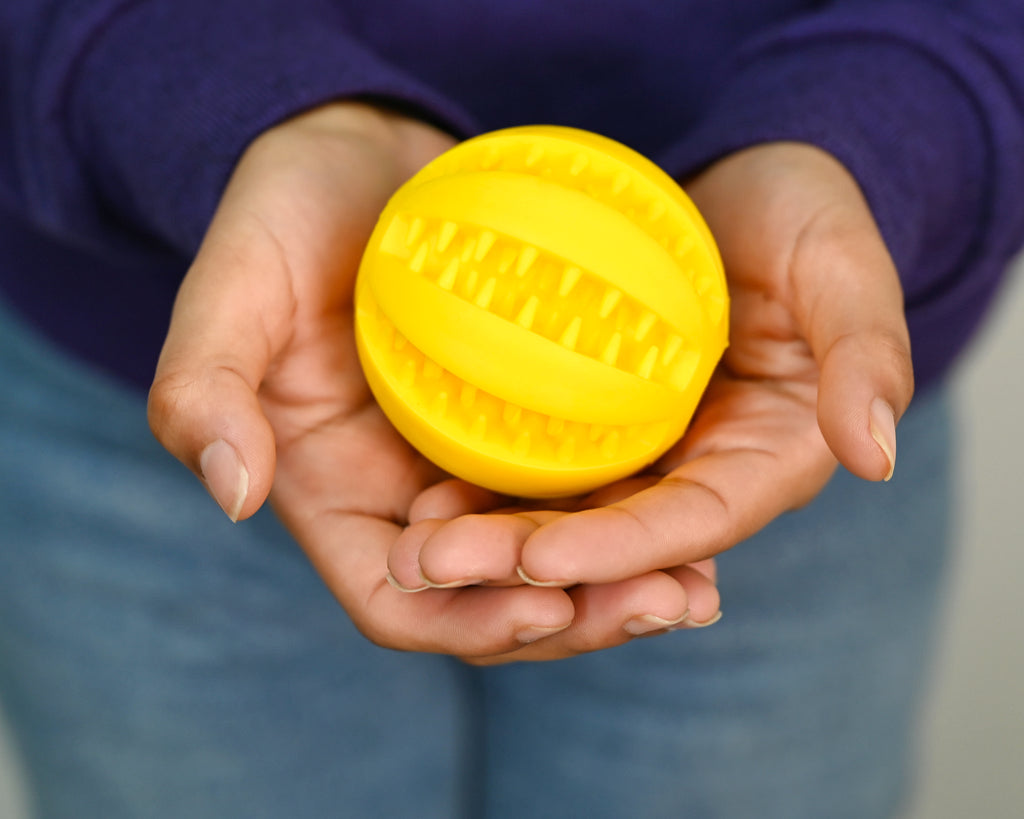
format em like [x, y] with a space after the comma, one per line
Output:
[396, 585]
[225, 477]
[883, 430]
[546, 584]
[531, 634]
[451, 584]
[646, 623]
[689, 623]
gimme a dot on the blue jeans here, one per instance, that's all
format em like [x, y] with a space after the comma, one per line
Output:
[157, 661]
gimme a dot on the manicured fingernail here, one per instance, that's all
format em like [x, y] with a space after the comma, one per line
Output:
[688, 623]
[396, 585]
[646, 623]
[225, 476]
[531, 634]
[547, 584]
[883, 430]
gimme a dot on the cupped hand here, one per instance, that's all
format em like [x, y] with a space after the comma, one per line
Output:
[259, 391]
[818, 371]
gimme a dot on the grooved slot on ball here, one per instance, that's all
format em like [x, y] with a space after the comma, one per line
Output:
[545, 294]
[603, 177]
[464, 411]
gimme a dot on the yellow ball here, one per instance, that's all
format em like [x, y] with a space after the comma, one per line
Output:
[539, 310]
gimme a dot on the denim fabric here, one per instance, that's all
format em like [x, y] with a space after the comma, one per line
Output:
[157, 661]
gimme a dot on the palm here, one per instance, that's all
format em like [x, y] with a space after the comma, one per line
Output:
[344, 478]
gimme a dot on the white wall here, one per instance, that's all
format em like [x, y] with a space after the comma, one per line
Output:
[974, 732]
[11, 803]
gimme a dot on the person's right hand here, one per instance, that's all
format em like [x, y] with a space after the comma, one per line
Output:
[817, 373]
[259, 391]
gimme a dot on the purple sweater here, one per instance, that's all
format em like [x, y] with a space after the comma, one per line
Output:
[120, 121]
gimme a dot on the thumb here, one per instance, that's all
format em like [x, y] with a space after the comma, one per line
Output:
[851, 304]
[224, 331]
[792, 220]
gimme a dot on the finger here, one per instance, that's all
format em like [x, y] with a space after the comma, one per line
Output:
[699, 582]
[451, 498]
[203, 404]
[403, 557]
[797, 235]
[702, 507]
[475, 621]
[708, 568]
[851, 303]
[279, 255]
[609, 615]
[620, 490]
[470, 622]
[471, 549]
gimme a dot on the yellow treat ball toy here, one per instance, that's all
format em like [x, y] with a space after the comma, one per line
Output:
[539, 310]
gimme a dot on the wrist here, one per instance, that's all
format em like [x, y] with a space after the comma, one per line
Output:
[405, 142]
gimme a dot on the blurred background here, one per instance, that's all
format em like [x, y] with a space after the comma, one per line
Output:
[972, 740]
[973, 736]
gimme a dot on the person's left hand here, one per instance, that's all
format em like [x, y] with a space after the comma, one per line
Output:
[819, 368]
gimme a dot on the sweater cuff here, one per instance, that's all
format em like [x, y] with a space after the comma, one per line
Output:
[168, 96]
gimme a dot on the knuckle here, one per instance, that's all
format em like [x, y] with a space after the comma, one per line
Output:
[164, 402]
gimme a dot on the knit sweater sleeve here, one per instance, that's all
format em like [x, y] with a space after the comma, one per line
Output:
[924, 103]
[146, 105]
